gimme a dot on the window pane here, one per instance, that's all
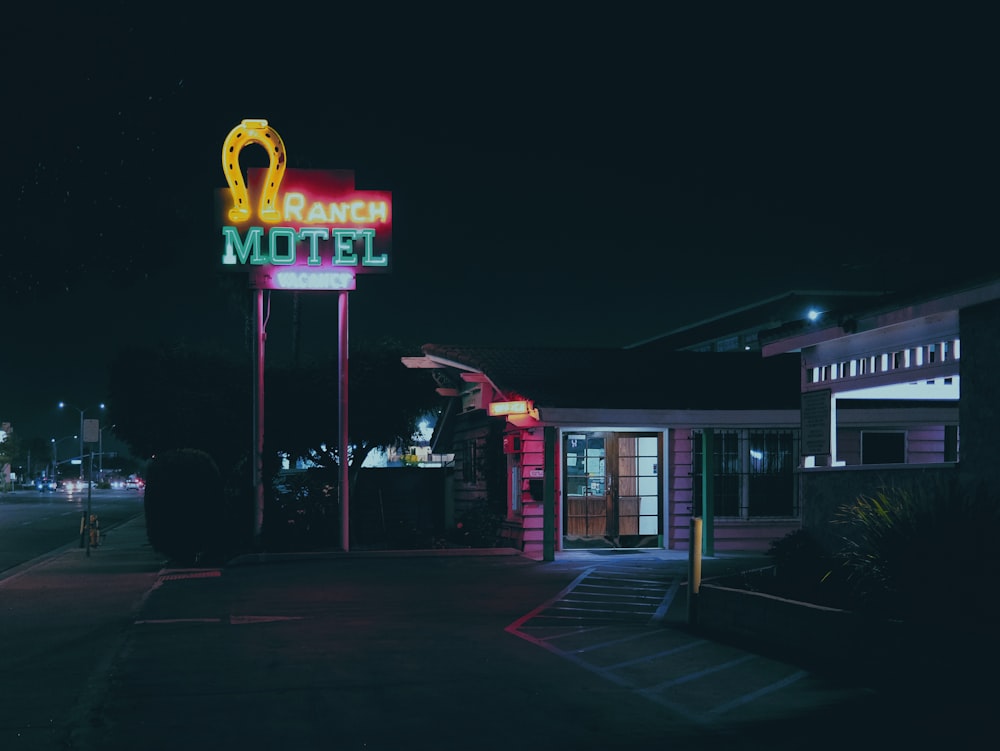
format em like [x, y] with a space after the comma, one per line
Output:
[771, 487]
[883, 448]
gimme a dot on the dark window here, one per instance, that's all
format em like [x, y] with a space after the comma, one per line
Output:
[470, 461]
[951, 443]
[878, 447]
[753, 472]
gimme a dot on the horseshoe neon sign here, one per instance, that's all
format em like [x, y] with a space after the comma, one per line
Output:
[244, 134]
[306, 221]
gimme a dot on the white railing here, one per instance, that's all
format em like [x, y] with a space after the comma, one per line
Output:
[912, 359]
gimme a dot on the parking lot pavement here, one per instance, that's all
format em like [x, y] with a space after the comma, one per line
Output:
[119, 651]
[610, 622]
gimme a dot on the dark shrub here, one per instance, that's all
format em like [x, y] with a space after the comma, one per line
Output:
[804, 571]
[185, 506]
[302, 510]
[899, 545]
[478, 527]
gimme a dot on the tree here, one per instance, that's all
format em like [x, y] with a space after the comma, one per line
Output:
[183, 398]
[165, 399]
[385, 403]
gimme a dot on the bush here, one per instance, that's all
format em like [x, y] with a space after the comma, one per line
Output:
[802, 571]
[900, 545]
[478, 527]
[806, 571]
[184, 504]
[302, 511]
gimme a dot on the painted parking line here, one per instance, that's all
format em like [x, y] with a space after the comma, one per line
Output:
[232, 620]
[622, 640]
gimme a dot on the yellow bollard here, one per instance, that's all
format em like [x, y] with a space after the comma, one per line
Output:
[694, 569]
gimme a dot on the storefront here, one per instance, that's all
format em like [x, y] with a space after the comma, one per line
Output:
[622, 466]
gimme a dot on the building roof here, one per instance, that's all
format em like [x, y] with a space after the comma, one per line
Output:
[761, 315]
[855, 316]
[645, 378]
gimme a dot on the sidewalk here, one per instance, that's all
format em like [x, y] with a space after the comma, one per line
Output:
[65, 616]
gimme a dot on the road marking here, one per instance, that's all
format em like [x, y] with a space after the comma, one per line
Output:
[192, 574]
[238, 620]
[550, 627]
[763, 691]
[233, 620]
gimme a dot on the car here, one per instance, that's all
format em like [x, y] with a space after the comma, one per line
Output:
[135, 483]
[45, 484]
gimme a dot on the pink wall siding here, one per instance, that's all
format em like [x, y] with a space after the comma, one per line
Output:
[925, 445]
[680, 493]
[529, 535]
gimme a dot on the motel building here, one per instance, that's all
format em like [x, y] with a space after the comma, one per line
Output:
[775, 413]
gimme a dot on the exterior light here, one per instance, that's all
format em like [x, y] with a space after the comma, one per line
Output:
[505, 409]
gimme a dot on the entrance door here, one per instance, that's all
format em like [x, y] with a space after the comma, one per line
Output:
[586, 489]
[612, 490]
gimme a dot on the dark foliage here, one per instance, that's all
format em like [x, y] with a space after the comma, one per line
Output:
[385, 402]
[802, 571]
[929, 558]
[477, 527]
[900, 544]
[161, 399]
[185, 507]
[301, 511]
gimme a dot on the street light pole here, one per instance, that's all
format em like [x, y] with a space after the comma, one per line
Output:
[82, 412]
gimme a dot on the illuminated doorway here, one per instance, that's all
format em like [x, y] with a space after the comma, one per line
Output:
[612, 490]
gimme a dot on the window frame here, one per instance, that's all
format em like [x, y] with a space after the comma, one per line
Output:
[735, 482]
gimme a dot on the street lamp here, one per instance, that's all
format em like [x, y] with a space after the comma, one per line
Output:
[55, 453]
[63, 405]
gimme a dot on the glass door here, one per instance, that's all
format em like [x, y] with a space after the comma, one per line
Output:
[612, 490]
[586, 489]
[636, 496]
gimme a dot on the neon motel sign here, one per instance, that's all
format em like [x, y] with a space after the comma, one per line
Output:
[310, 229]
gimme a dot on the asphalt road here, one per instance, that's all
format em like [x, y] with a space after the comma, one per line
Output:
[33, 523]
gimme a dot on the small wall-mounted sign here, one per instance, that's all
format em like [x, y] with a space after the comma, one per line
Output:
[536, 472]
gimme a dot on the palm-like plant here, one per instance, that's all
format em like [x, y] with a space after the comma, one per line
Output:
[905, 550]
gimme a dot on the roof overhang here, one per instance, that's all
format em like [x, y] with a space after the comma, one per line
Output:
[889, 322]
[658, 419]
[467, 373]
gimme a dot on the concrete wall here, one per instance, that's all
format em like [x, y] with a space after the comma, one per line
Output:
[979, 406]
[807, 634]
[824, 490]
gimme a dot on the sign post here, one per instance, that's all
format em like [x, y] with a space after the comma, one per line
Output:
[91, 435]
[312, 230]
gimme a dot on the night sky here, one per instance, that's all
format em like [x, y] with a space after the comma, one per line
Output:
[557, 179]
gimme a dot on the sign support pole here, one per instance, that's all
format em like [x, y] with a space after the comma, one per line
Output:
[344, 448]
[90, 492]
[258, 418]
